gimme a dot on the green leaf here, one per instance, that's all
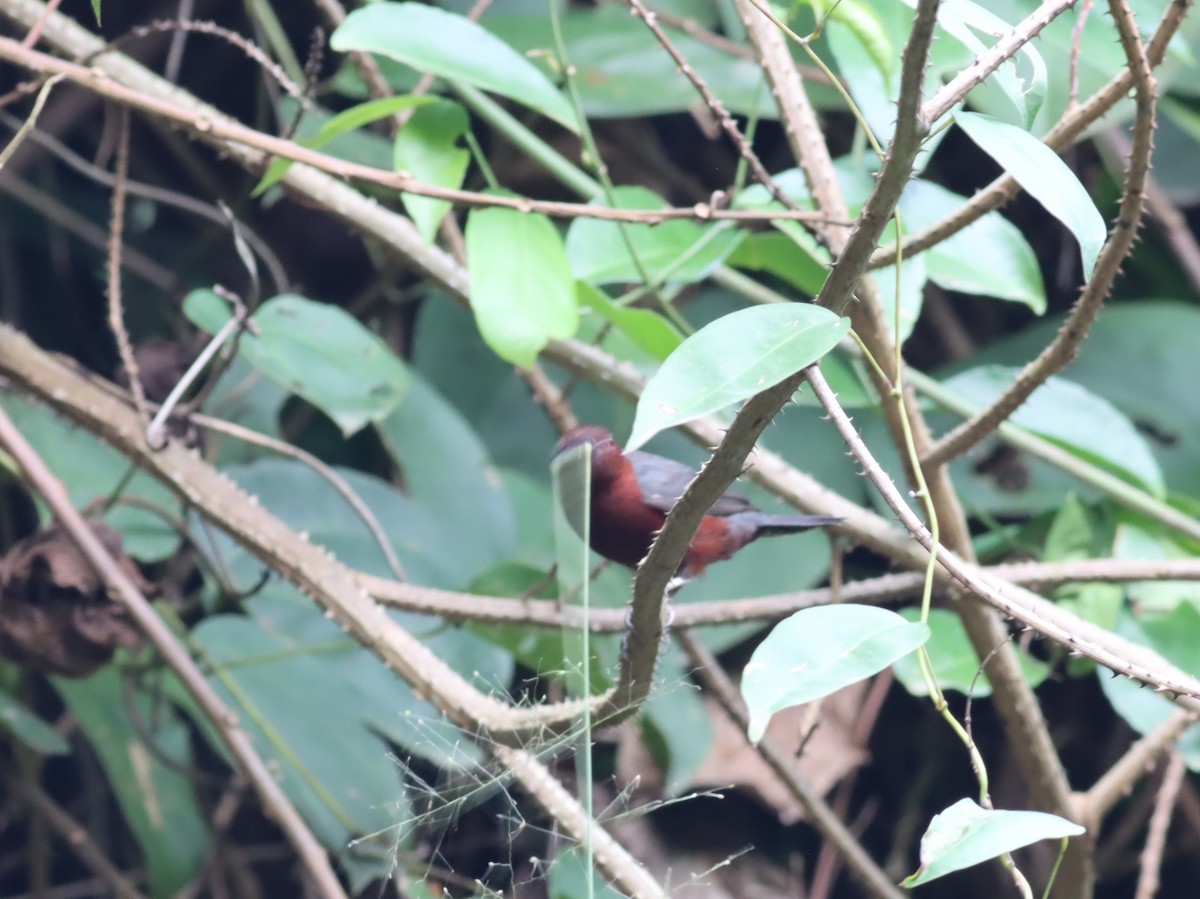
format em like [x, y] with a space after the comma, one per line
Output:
[343, 123]
[990, 257]
[96, 10]
[452, 47]
[1046, 178]
[428, 148]
[966, 834]
[1073, 417]
[1023, 90]
[446, 470]
[676, 251]
[318, 352]
[799, 260]
[616, 58]
[645, 327]
[954, 659]
[1177, 638]
[732, 359]
[91, 470]
[29, 728]
[818, 651]
[522, 291]
[157, 801]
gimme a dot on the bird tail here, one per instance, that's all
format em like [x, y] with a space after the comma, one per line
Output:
[770, 525]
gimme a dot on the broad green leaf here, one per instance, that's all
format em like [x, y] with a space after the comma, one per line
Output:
[307, 503]
[1134, 540]
[818, 651]
[1046, 178]
[732, 359]
[622, 71]
[677, 251]
[966, 834]
[955, 662]
[29, 728]
[343, 123]
[1177, 638]
[157, 801]
[990, 257]
[804, 265]
[645, 327]
[522, 291]
[92, 471]
[428, 148]
[310, 722]
[445, 468]
[318, 352]
[453, 47]
[1021, 82]
[1072, 417]
[1075, 533]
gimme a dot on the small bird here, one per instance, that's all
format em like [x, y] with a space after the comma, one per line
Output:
[633, 492]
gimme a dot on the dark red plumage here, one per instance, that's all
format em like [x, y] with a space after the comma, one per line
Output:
[632, 493]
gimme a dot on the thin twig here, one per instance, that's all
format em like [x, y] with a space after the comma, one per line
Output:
[73, 836]
[116, 232]
[1160, 823]
[714, 103]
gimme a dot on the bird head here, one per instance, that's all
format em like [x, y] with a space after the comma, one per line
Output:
[605, 450]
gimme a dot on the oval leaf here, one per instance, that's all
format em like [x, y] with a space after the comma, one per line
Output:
[1073, 417]
[1047, 179]
[316, 351]
[733, 358]
[820, 650]
[966, 834]
[522, 291]
[453, 47]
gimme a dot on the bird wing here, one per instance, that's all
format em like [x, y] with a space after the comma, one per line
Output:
[663, 481]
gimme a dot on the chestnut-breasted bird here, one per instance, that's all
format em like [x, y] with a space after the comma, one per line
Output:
[632, 493]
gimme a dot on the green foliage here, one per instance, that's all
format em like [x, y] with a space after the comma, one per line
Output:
[965, 835]
[733, 359]
[818, 651]
[306, 347]
[453, 47]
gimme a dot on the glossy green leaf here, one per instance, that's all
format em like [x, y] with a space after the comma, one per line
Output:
[317, 351]
[732, 359]
[157, 801]
[818, 651]
[1040, 171]
[1072, 417]
[966, 834]
[990, 257]
[428, 148]
[344, 122]
[1076, 533]
[91, 471]
[29, 728]
[645, 327]
[1137, 540]
[522, 290]
[445, 468]
[1022, 82]
[955, 662]
[453, 47]
[677, 251]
